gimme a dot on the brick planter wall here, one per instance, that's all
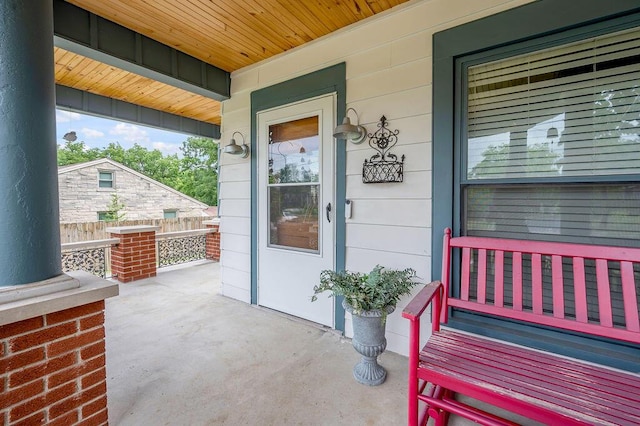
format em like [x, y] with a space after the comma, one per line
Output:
[52, 368]
[134, 257]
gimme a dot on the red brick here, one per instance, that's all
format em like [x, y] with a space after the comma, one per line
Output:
[75, 342]
[42, 336]
[70, 418]
[96, 320]
[64, 407]
[40, 370]
[37, 419]
[94, 392]
[97, 419]
[22, 359]
[76, 372]
[93, 350]
[22, 393]
[61, 392]
[74, 313]
[94, 378]
[20, 327]
[3, 415]
[27, 408]
[94, 406]
[2, 349]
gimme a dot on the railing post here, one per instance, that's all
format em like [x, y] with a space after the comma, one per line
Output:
[213, 239]
[134, 257]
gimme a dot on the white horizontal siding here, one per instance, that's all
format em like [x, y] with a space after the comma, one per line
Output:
[389, 73]
[384, 238]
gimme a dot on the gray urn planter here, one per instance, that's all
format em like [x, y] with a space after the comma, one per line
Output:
[369, 341]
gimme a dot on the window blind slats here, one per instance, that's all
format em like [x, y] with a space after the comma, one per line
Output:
[578, 120]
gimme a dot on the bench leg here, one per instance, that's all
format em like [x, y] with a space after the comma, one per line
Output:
[439, 416]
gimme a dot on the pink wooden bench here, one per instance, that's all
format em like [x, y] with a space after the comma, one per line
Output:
[542, 386]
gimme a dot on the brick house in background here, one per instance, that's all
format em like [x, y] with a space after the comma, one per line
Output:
[86, 191]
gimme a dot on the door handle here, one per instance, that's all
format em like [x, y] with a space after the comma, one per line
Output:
[328, 212]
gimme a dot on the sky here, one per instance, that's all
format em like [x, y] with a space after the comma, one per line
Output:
[98, 132]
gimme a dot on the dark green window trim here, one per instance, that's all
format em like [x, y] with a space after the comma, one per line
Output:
[523, 29]
[328, 80]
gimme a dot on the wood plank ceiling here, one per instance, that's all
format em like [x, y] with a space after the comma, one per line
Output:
[229, 34]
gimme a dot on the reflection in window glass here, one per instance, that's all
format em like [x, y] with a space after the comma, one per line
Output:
[294, 151]
[571, 110]
[293, 216]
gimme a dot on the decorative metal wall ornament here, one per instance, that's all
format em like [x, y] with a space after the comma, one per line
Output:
[383, 166]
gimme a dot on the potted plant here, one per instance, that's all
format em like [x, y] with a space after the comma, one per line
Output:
[369, 298]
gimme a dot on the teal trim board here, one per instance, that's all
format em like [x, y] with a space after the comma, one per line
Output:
[527, 28]
[322, 82]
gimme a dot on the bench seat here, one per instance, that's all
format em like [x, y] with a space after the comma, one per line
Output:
[542, 386]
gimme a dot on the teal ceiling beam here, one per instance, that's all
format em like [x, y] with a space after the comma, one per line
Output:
[89, 35]
[102, 106]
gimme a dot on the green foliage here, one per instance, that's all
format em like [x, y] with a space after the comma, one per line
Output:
[199, 168]
[376, 290]
[195, 174]
[115, 210]
[76, 152]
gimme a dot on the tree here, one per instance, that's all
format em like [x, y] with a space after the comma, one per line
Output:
[115, 210]
[199, 169]
[73, 152]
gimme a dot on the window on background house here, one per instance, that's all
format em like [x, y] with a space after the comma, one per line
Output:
[105, 179]
[170, 214]
[551, 150]
[102, 216]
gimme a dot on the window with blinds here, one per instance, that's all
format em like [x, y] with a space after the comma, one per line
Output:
[553, 144]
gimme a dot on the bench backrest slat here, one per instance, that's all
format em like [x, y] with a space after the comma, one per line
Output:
[558, 286]
[466, 273]
[604, 293]
[517, 281]
[580, 290]
[543, 277]
[499, 283]
[630, 296]
[482, 276]
[536, 281]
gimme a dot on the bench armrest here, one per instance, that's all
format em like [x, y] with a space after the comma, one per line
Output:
[419, 303]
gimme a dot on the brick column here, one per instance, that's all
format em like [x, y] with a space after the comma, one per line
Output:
[134, 258]
[52, 356]
[213, 239]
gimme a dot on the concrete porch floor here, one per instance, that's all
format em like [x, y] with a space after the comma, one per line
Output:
[178, 353]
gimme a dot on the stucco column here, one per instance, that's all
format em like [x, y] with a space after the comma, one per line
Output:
[29, 229]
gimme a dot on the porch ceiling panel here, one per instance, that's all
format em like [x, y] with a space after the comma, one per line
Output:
[95, 77]
[227, 34]
[231, 34]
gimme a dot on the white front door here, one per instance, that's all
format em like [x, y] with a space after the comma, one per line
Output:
[296, 206]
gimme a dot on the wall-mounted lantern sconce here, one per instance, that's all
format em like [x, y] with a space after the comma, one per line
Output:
[351, 132]
[234, 149]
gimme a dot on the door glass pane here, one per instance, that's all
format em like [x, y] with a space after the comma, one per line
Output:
[294, 158]
[294, 151]
[293, 216]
